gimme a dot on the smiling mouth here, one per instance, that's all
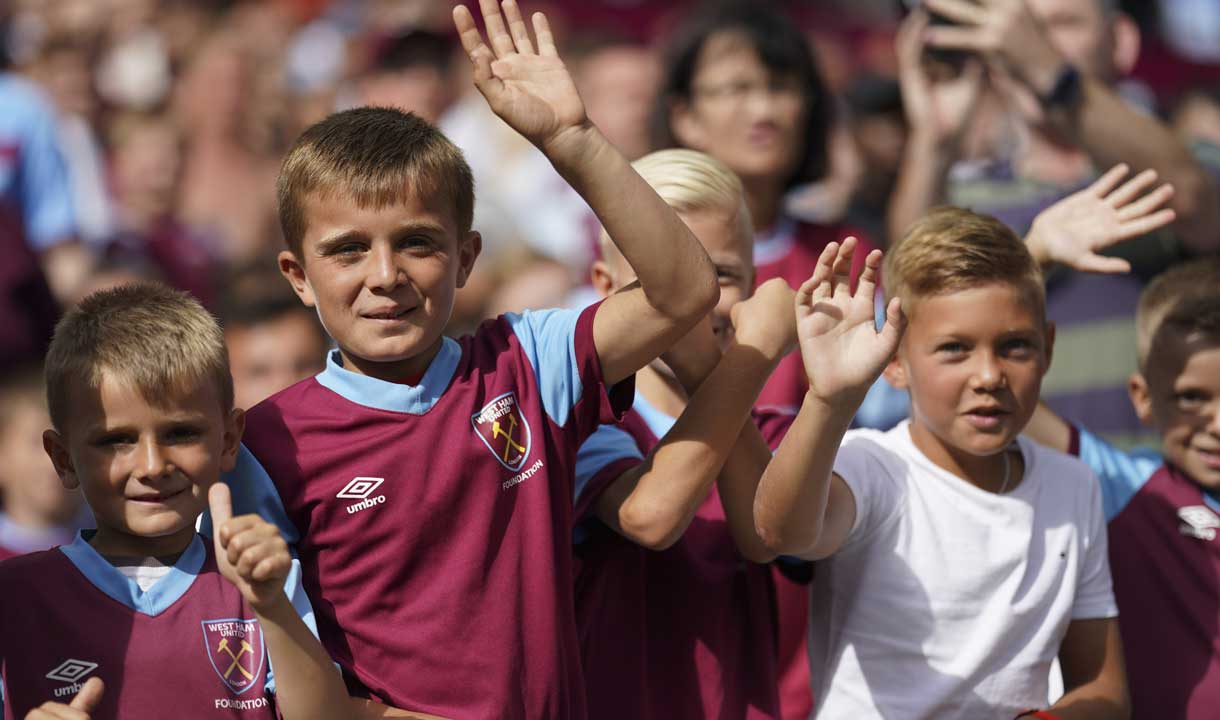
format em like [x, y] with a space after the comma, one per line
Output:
[387, 314]
[158, 498]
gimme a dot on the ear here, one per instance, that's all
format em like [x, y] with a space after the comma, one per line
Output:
[468, 252]
[687, 129]
[57, 450]
[602, 278]
[294, 270]
[1050, 344]
[1126, 44]
[1141, 398]
[895, 374]
[235, 426]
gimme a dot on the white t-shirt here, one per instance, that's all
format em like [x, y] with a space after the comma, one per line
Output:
[947, 601]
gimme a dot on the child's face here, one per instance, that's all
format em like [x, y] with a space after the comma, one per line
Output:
[742, 113]
[973, 361]
[144, 469]
[383, 279]
[269, 356]
[32, 493]
[1181, 397]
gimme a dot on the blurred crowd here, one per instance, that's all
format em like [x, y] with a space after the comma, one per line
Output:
[141, 139]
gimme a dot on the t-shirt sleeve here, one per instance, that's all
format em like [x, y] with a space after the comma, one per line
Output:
[559, 346]
[254, 493]
[1121, 474]
[875, 489]
[602, 458]
[1094, 591]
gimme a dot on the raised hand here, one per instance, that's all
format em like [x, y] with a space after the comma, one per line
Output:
[529, 89]
[84, 703]
[250, 552]
[842, 350]
[766, 321]
[1073, 230]
[938, 107]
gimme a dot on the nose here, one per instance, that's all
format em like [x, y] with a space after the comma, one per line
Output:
[383, 270]
[152, 462]
[988, 373]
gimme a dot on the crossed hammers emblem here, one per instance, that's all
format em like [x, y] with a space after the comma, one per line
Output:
[497, 431]
[236, 664]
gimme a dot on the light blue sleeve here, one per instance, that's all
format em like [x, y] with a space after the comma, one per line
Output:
[548, 338]
[608, 444]
[1122, 474]
[45, 192]
[254, 492]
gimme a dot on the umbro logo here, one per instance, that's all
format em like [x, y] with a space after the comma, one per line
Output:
[1198, 521]
[361, 488]
[70, 671]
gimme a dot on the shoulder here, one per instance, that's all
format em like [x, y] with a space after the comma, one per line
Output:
[21, 570]
[23, 98]
[1063, 474]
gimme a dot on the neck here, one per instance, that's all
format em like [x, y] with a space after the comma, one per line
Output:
[112, 542]
[765, 198]
[395, 371]
[985, 472]
[661, 391]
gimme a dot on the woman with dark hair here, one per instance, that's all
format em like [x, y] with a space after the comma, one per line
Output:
[741, 84]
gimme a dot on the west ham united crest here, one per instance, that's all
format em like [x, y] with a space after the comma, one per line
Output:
[504, 431]
[235, 647]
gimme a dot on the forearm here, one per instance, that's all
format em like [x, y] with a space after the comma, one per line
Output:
[921, 182]
[1047, 428]
[1110, 130]
[792, 501]
[1097, 700]
[368, 710]
[306, 682]
[683, 466]
[673, 269]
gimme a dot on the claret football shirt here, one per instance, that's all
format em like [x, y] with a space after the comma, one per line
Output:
[433, 521]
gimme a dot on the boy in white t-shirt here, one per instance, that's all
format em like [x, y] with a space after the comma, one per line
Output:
[956, 560]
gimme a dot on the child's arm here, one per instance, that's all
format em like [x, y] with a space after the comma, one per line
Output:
[1073, 230]
[85, 701]
[253, 556]
[653, 503]
[1091, 657]
[802, 507]
[365, 709]
[1047, 428]
[533, 92]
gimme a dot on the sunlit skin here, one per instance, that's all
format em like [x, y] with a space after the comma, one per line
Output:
[144, 468]
[973, 361]
[269, 356]
[383, 279]
[1181, 398]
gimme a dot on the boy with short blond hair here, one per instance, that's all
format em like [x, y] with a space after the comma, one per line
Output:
[956, 560]
[142, 408]
[1163, 506]
[428, 483]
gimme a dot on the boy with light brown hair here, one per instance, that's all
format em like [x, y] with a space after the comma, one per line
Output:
[956, 560]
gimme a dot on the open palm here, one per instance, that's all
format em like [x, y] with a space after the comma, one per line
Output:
[841, 347]
[529, 89]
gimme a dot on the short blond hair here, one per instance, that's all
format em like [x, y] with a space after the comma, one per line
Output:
[159, 339]
[1188, 282]
[375, 156]
[689, 181]
[952, 249]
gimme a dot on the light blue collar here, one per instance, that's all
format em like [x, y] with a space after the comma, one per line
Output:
[658, 422]
[108, 579]
[394, 397]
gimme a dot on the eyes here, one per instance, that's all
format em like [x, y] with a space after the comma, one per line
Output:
[1191, 400]
[351, 250]
[1014, 348]
[176, 434]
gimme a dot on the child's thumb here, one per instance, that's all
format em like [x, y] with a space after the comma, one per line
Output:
[220, 502]
[89, 696]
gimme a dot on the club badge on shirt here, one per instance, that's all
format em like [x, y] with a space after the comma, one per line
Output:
[504, 430]
[235, 647]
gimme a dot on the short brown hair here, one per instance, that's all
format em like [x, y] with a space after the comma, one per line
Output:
[953, 249]
[1169, 291]
[374, 156]
[158, 338]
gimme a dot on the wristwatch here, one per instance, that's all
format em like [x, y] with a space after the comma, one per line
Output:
[1065, 93]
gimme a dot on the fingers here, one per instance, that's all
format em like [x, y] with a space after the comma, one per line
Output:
[816, 284]
[1102, 264]
[952, 37]
[497, 32]
[546, 41]
[1145, 225]
[516, 26]
[258, 552]
[1146, 204]
[895, 324]
[866, 286]
[89, 695]
[220, 503]
[55, 711]
[841, 277]
[961, 12]
[1131, 189]
[1104, 184]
